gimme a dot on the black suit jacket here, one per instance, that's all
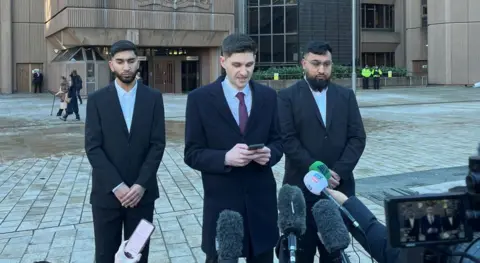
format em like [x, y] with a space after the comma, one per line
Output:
[115, 154]
[414, 230]
[306, 140]
[210, 132]
[425, 225]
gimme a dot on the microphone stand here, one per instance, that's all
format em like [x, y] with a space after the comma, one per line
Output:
[292, 247]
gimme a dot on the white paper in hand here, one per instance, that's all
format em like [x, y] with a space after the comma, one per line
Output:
[315, 182]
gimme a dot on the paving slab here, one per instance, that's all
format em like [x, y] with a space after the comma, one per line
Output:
[45, 176]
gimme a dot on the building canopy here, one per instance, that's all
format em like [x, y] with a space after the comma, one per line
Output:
[78, 54]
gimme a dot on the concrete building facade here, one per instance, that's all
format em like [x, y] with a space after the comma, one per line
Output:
[179, 40]
[444, 35]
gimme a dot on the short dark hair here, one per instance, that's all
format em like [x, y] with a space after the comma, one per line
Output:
[238, 43]
[122, 45]
[317, 48]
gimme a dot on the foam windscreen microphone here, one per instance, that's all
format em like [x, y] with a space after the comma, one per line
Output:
[322, 168]
[229, 237]
[292, 216]
[330, 226]
[292, 210]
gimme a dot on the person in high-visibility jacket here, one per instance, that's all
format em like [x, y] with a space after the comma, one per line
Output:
[377, 73]
[366, 74]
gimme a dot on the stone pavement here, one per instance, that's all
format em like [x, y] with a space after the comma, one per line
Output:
[45, 176]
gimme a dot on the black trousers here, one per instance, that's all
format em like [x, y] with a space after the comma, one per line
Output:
[310, 242]
[376, 83]
[266, 257]
[38, 87]
[365, 83]
[108, 224]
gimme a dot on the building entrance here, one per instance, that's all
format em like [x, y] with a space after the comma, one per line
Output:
[189, 76]
[164, 76]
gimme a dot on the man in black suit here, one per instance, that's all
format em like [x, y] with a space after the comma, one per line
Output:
[320, 121]
[450, 225]
[124, 142]
[412, 225]
[222, 119]
[431, 225]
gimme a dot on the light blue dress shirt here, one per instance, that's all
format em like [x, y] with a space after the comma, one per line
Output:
[233, 102]
[127, 102]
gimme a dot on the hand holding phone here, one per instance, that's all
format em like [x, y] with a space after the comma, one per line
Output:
[138, 239]
[256, 146]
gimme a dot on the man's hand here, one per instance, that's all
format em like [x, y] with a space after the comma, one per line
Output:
[120, 256]
[238, 156]
[334, 181]
[337, 195]
[134, 196]
[121, 191]
[262, 156]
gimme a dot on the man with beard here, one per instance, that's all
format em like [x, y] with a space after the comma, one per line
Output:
[223, 119]
[320, 121]
[124, 142]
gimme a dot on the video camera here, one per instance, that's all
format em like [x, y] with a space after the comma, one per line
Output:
[436, 221]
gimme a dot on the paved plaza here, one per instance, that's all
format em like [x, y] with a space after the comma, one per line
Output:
[45, 175]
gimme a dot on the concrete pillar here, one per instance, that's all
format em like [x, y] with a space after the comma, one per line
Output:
[6, 61]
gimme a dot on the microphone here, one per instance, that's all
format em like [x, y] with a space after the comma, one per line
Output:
[333, 232]
[229, 237]
[291, 216]
[316, 183]
[321, 168]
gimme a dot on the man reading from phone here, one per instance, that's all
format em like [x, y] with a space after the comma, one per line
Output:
[222, 119]
[124, 142]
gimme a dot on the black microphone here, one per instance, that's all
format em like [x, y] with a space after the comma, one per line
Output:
[330, 227]
[229, 237]
[291, 216]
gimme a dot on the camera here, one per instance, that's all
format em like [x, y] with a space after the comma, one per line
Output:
[437, 220]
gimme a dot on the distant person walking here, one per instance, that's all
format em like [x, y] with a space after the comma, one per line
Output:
[72, 106]
[62, 95]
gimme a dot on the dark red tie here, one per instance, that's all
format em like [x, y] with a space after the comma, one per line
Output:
[242, 112]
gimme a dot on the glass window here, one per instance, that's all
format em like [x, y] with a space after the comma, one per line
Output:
[380, 59]
[377, 16]
[289, 2]
[278, 48]
[291, 19]
[380, 16]
[265, 2]
[291, 48]
[278, 19]
[252, 2]
[89, 54]
[78, 56]
[255, 38]
[265, 20]
[265, 49]
[278, 2]
[253, 20]
[370, 16]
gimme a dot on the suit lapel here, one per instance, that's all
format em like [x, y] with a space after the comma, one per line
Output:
[331, 98]
[140, 108]
[257, 105]
[309, 100]
[116, 108]
[219, 101]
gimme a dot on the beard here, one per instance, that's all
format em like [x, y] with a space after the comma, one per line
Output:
[126, 79]
[317, 83]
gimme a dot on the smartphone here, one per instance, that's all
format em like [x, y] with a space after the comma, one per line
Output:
[256, 146]
[139, 238]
